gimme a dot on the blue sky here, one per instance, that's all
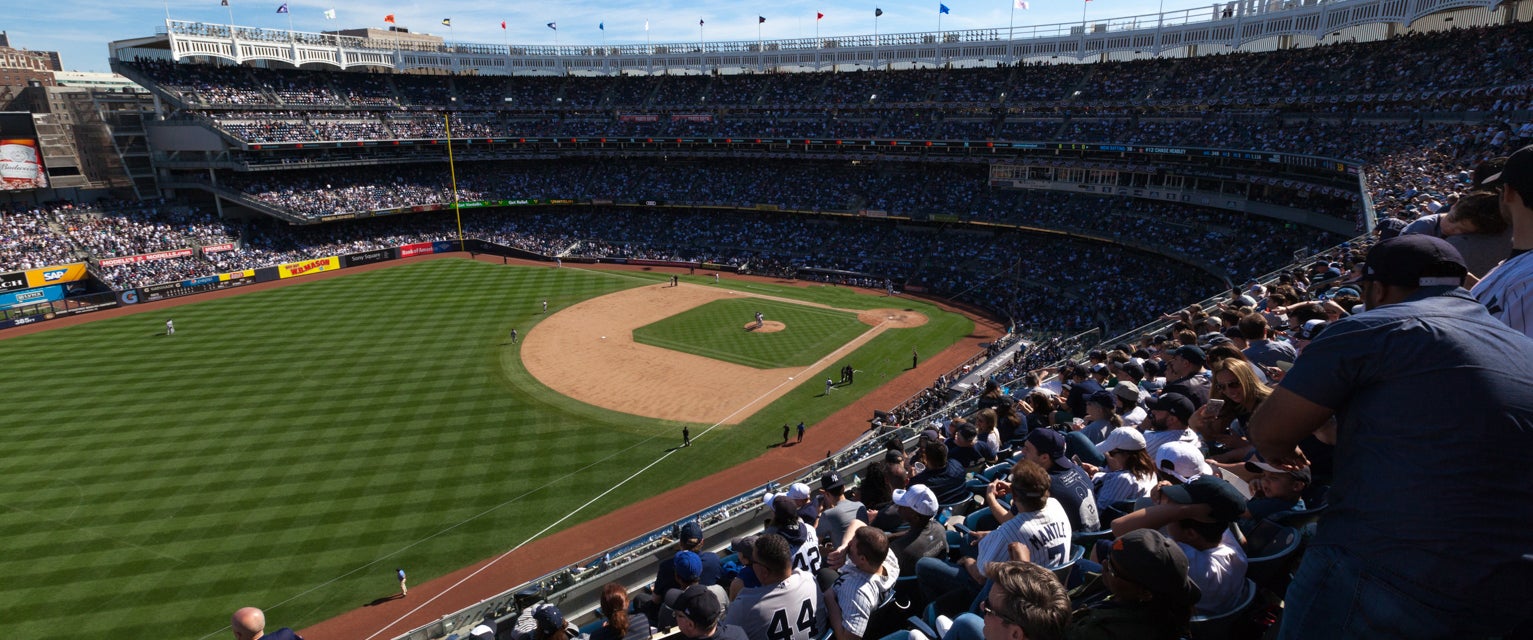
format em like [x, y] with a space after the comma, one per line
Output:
[81, 29]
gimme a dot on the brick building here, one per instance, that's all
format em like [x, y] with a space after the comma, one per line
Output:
[18, 67]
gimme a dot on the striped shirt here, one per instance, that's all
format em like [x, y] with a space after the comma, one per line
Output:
[1506, 293]
[1045, 533]
[1117, 486]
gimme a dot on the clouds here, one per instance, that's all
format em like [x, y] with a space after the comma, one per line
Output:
[91, 24]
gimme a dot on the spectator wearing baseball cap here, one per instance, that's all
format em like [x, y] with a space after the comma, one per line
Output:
[551, 624]
[1028, 517]
[922, 536]
[800, 536]
[838, 511]
[1168, 422]
[1274, 490]
[1128, 395]
[1129, 474]
[1184, 374]
[698, 611]
[943, 475]
[1180, 462]
[1151, 595]
[1068, 483]
[1197, 515]
[1373, 373]
[1508, 290]
[688, 571]
[689, 537]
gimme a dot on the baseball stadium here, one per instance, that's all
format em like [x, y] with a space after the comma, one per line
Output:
[391, 336]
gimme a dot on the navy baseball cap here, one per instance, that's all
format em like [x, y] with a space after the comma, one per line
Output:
[688, 566]
[1048, 441]
[1225, 503]
[1517, 172]
[1415, 260]
[1175, 404]
[1191, 354]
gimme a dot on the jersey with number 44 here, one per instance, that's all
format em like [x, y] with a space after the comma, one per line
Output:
[788, 610]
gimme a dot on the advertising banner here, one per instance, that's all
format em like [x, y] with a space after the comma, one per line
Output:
[146, 257]
[169, 290]
[366, 257]
[13, 281]
[56, 275]
[308, 267]
[638, 118]
[31, 296]
[444, 246]
[21, 158]
[218, 248]
[417, 249]
[74, 311]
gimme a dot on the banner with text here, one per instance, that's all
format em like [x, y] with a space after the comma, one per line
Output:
[15, 281]
[218, 248]
[308, 267]
[366, 257]
[56, 275]
[145, 257]
[417, 249]
[32, 296]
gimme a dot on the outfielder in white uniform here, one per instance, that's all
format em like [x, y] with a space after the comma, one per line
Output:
[170, 327]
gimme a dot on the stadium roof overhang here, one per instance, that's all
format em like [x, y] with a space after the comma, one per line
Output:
[1228, 25]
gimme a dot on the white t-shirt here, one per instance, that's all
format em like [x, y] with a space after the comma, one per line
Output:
[859, 593]
[1505, 292]
[1220, 574]
[1046, 534]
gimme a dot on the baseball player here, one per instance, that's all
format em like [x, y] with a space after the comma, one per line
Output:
[830, 385]
[915, 358]
[513, 336]
[801, 430]
[715, 278]
[170, 327]
[545, 306]
[760, 320]
[686, 436]
[403, 589]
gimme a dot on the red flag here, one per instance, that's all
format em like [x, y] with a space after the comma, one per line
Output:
[502, 24]
[389, 19]
[819, 16]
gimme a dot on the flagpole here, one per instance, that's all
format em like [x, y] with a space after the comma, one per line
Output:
[230, 7]
[452, 170]
[875, 37]
[1011, 25]
[1084, 4]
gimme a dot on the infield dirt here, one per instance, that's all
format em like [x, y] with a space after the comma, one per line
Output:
[587, 352]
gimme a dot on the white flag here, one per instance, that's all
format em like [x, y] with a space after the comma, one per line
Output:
[1021, 4]
[330, 14]
[646, 25]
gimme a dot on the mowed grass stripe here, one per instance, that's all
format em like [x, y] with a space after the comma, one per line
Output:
[295, 445]
[717, 330]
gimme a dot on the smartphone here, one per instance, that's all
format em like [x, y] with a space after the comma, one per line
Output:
[1215, 406]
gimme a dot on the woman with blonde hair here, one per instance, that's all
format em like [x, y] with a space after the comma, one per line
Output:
[1236, 384]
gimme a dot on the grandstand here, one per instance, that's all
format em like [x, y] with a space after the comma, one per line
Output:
[1082, 204]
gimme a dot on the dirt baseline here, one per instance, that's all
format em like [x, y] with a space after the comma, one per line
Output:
[587, 352]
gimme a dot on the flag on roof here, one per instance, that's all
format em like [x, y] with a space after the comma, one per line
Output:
[446, 22]
[329, 14]
[942, 8]
[389, 19]
[283, 8]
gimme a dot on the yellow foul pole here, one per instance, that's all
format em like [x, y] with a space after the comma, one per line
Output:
[452, 170]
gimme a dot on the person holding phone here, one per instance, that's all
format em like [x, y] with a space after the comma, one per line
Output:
[1233, 397]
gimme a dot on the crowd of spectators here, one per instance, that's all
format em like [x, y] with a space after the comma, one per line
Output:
[27, 241]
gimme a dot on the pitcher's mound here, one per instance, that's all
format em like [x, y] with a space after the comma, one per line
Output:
[894, 318]
[770, 326]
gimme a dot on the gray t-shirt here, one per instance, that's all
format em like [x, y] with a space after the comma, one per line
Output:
[1434, 406]
[787, 610]
[835, 520]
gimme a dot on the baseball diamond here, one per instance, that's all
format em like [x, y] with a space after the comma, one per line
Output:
[398, 427]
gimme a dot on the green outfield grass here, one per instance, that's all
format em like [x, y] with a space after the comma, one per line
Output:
[716, 330]
[289, 448]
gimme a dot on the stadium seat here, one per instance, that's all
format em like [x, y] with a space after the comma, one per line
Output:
[1270, 555]
[1299, 519]
[1222, 626]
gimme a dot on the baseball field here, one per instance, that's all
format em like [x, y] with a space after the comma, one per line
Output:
[289, 448]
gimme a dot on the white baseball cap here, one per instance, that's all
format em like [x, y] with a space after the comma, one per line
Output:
[1182, 460]
[1125, 438]
[919, 498]
[798, 491]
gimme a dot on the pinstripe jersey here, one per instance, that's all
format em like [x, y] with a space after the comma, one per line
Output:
[1506, 293]
[1117, 486]
[1045, 533]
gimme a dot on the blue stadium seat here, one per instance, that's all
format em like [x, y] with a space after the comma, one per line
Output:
[1222, 626]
